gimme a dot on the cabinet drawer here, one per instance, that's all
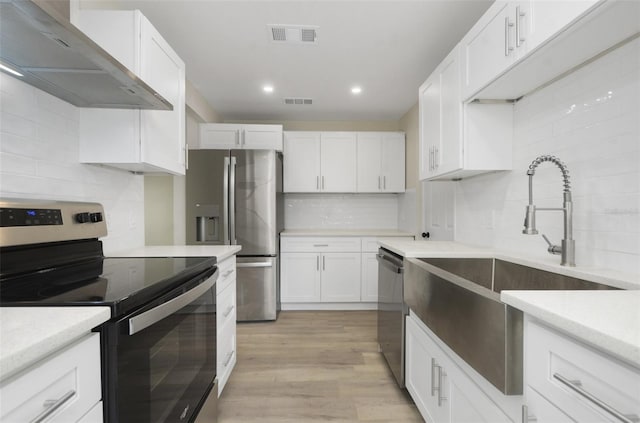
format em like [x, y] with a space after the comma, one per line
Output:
[70, 378]
[566, 372]
[320, 244]
[227, 269]
[226, 306]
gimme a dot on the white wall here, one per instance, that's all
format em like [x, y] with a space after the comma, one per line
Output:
[590, 120]
[341, 211]
[39, 159]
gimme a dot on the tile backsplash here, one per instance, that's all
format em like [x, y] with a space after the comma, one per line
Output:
[590, 120]
[39, 159]
[341, 211]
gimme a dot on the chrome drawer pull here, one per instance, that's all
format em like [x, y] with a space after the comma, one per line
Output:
[576, 386]
[227, 273]
[320, 245]
[228, 312]
[228, 359]
[52, 406]
[441, 376]
[526, 417]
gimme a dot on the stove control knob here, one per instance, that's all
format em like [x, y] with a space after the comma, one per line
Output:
[82, 217]
[96, 217]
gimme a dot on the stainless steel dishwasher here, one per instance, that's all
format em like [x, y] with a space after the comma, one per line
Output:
[391, 311]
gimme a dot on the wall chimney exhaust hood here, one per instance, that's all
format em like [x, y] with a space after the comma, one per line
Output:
[38, 40]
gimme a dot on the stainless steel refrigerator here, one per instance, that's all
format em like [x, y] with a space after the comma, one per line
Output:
[234, 197]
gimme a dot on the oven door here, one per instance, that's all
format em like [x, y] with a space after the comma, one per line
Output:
[161, 360]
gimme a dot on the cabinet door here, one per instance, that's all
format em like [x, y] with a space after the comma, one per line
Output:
[438, 201]
[301, 163]
[393, 162]
[162, 132]
[448, 156]
[262, 137]
[369, 284]
[340, 277]
[222, 136]
[488, 47]
[420, 373]
[300, 278]
[338, 162]
[369, 161]
[429, 105]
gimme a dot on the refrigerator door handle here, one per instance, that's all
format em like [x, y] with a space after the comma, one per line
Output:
[232, 201]
[225, 201]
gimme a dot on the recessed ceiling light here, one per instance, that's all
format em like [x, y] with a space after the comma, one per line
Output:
[356, 90]
[8, 69]
[267, 88]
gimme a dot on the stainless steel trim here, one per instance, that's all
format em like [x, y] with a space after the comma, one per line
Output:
[228, 359]
[52, 406]
[576, 386]
[225, 201]
[232, 202]
[256, 264]
[57, 57]
[148, 318]
[228, 312]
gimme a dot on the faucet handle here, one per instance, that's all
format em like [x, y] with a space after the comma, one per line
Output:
[553, 249]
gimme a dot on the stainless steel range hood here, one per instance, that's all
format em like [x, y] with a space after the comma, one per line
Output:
[38, 40]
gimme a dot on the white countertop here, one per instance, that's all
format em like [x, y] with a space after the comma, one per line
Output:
[346, 232]
[448, 249]
[28, 334]
[609, 320]
[220, 252]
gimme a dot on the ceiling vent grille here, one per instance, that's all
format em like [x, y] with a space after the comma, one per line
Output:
[293, 34]
[298, 101]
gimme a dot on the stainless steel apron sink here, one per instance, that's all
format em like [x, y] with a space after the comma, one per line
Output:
[459, 300]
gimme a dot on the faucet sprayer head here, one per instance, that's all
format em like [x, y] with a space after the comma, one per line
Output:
[530, 221]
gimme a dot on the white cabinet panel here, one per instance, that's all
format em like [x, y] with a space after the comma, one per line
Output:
[95, 415]
[225, 321]
[369, 162]
[222, 136]
[541, 410]
[393, 162]
[338, 162]
[301, 162]
[369, 283]
[340, 277]
[338, 244]
[300, 277]
[429, 124]
[136, 140]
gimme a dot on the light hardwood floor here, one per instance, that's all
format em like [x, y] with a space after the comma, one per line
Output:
[310, 367]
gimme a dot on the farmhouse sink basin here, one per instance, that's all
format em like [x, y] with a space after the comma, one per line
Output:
[459, 300]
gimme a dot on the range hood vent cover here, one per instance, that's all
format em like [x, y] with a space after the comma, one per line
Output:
[38, 40]
[293, 34]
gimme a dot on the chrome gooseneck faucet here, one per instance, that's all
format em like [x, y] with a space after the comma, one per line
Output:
[567, 249]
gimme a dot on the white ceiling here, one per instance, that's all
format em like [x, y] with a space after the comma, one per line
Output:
[386, 47]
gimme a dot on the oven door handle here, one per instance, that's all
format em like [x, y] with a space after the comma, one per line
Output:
[148, 318]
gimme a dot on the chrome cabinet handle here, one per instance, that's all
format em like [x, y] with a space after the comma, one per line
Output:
[379, 186]
[256, 264]
[232, 202]
[433, 384]
[430, 158]
[323, 263]
[526, 417]
[317, 182]
[228, 359]
[576, 386]
[441, 376]
[52, 406]
[519, 16]
[384, 182]
[322, 181]
[507, 41]
[320, 245]
[436, 156]
[228, 312]
[318, 263]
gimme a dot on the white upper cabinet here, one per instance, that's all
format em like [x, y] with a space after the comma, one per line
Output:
[222, 136]
[381, 162]
[135, 140]
[518, 46]
[319, 162]
[459, 140]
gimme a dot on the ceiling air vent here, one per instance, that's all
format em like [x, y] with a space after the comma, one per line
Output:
[293, 34]
[298, 101]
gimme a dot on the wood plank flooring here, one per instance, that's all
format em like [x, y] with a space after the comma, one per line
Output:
[311, 367]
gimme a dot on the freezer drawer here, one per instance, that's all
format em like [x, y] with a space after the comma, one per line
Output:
[257, 288]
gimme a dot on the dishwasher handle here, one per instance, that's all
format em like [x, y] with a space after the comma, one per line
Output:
[390, 262]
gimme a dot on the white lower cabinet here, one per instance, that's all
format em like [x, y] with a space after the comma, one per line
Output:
[566, 380]
[340, 278]
[64, 387]
[442, 391]
[225, 321]
[369, 274]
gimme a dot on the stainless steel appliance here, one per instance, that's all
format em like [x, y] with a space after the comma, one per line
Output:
[391, 311]
[159, 347]
[234, 197]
